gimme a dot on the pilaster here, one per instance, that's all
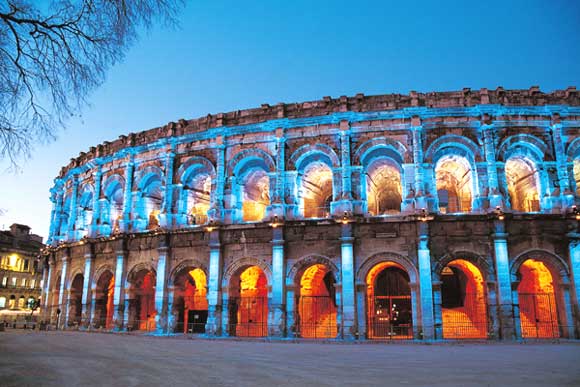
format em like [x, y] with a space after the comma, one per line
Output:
[161, 305]
[349, 323]
[277, 310]
[504, 285]
[425, 283]
[213, 325]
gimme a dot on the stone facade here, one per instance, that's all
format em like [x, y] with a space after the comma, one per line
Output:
[426, 216]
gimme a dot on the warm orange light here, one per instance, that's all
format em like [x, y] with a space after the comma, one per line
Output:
[316, 306]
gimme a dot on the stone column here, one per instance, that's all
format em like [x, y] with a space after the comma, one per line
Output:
[494, 194]
[216, 212]
[437, 310]
[492, 308]
[277, 198]
[347, 279]
[96, 203]
[277, 310]
[119, 320]
[425, 284]
[344, 200]
[167, 207]
[56, 199]
[47, 274]
[93, 309]
[574, 252]
[504, 286]
[61, 294]
[291, 329]
[125, 224]
[86, 301]
[213, 325]
[72, 216]
[420, 193]
[361, 295]
[559, 138]
[161, 288]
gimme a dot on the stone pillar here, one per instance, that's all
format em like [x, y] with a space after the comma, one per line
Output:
[161, 288]
[437, 310]
[361, 295]
[125, 224]
[72, 216]
[93, 309]
[216, 212]
[347, 278]
[291, 329]
[420, 190]
[61, 293]
[504, 286]
[277, 310]
[86, 301]
[213, 326]
[119, 296]
[56, 199]
[559, 138]
[47, 277]
[277, 198]
[492, 308]
[344, 200]
[574, 252]
[166, 218]
[494, 194]
[425, 284]
[93, 230]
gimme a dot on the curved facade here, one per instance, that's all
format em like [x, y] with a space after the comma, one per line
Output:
[423, 216]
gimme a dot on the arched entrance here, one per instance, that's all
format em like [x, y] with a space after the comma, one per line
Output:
[190, 300]
[389, 306]
[463, 301]
[523, 184]
[454, 184]
[248, 303]
[75, 300]
[539, 300]
[384, 190]
[317, 303]
[104, 301]
[142, 302]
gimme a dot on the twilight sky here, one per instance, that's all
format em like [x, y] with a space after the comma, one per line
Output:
[230, 55]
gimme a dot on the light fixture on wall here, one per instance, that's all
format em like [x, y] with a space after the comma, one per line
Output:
[211, 226]
[575, 212]
[275, 222]
[499, 213]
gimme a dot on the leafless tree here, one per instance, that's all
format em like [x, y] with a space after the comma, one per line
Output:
[54, 53]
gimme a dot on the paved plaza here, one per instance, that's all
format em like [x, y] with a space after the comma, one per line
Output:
[82, 359]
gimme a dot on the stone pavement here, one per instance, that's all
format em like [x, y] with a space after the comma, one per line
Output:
[83, 359]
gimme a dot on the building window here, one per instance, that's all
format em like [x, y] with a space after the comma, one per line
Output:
[4, 282]
[2, 302]
[32, 283]
[14, 281]
[23, 282]
[26, 264]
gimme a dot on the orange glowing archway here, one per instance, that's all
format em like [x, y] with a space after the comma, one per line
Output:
[463, 301]
[537, 300]
[104, 301]
[316, 303]
[248, 303]
[142, 307]
[190, 300]
[389, 308]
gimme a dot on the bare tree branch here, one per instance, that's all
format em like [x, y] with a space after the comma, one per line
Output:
[52, 56]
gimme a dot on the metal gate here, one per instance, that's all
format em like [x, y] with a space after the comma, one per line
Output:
[469, 321]
[538, 315]
[317, 317]
[390, 317]
[248, 316]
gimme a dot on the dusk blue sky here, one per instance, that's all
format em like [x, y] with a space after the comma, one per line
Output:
[230, 55]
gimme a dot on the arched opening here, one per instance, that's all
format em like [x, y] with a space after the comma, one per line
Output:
[389, 313]
[85, 210]
[190, 301]
[317, 303]
[75, 307]
[104, 301]
[576, 171]
[64, 216]
[12, 302]
[114, 213]
[21, 302]
[151, 199]
[384, 191]
[523, 184]
[463, 301]
[256, 195]
[454, 184]
[538, 295]
[198, 198]
[248, 303]
[142, 302]
[54, 305]
[317, 190]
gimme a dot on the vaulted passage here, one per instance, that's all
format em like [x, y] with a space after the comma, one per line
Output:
[523, 184]
[454, 184]
[152, 197]
[190, 301]
[198, 191]
[317, 303]
[142, 301]
[113, 213]
[75, 301]
[538, 301]
[463, 301]
[384, 192]
[317, 190]
[256, 195]
[84, 216]
[104, 301]
[248, 303]
[389, 312]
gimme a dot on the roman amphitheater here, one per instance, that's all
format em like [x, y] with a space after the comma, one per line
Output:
[445, 215]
